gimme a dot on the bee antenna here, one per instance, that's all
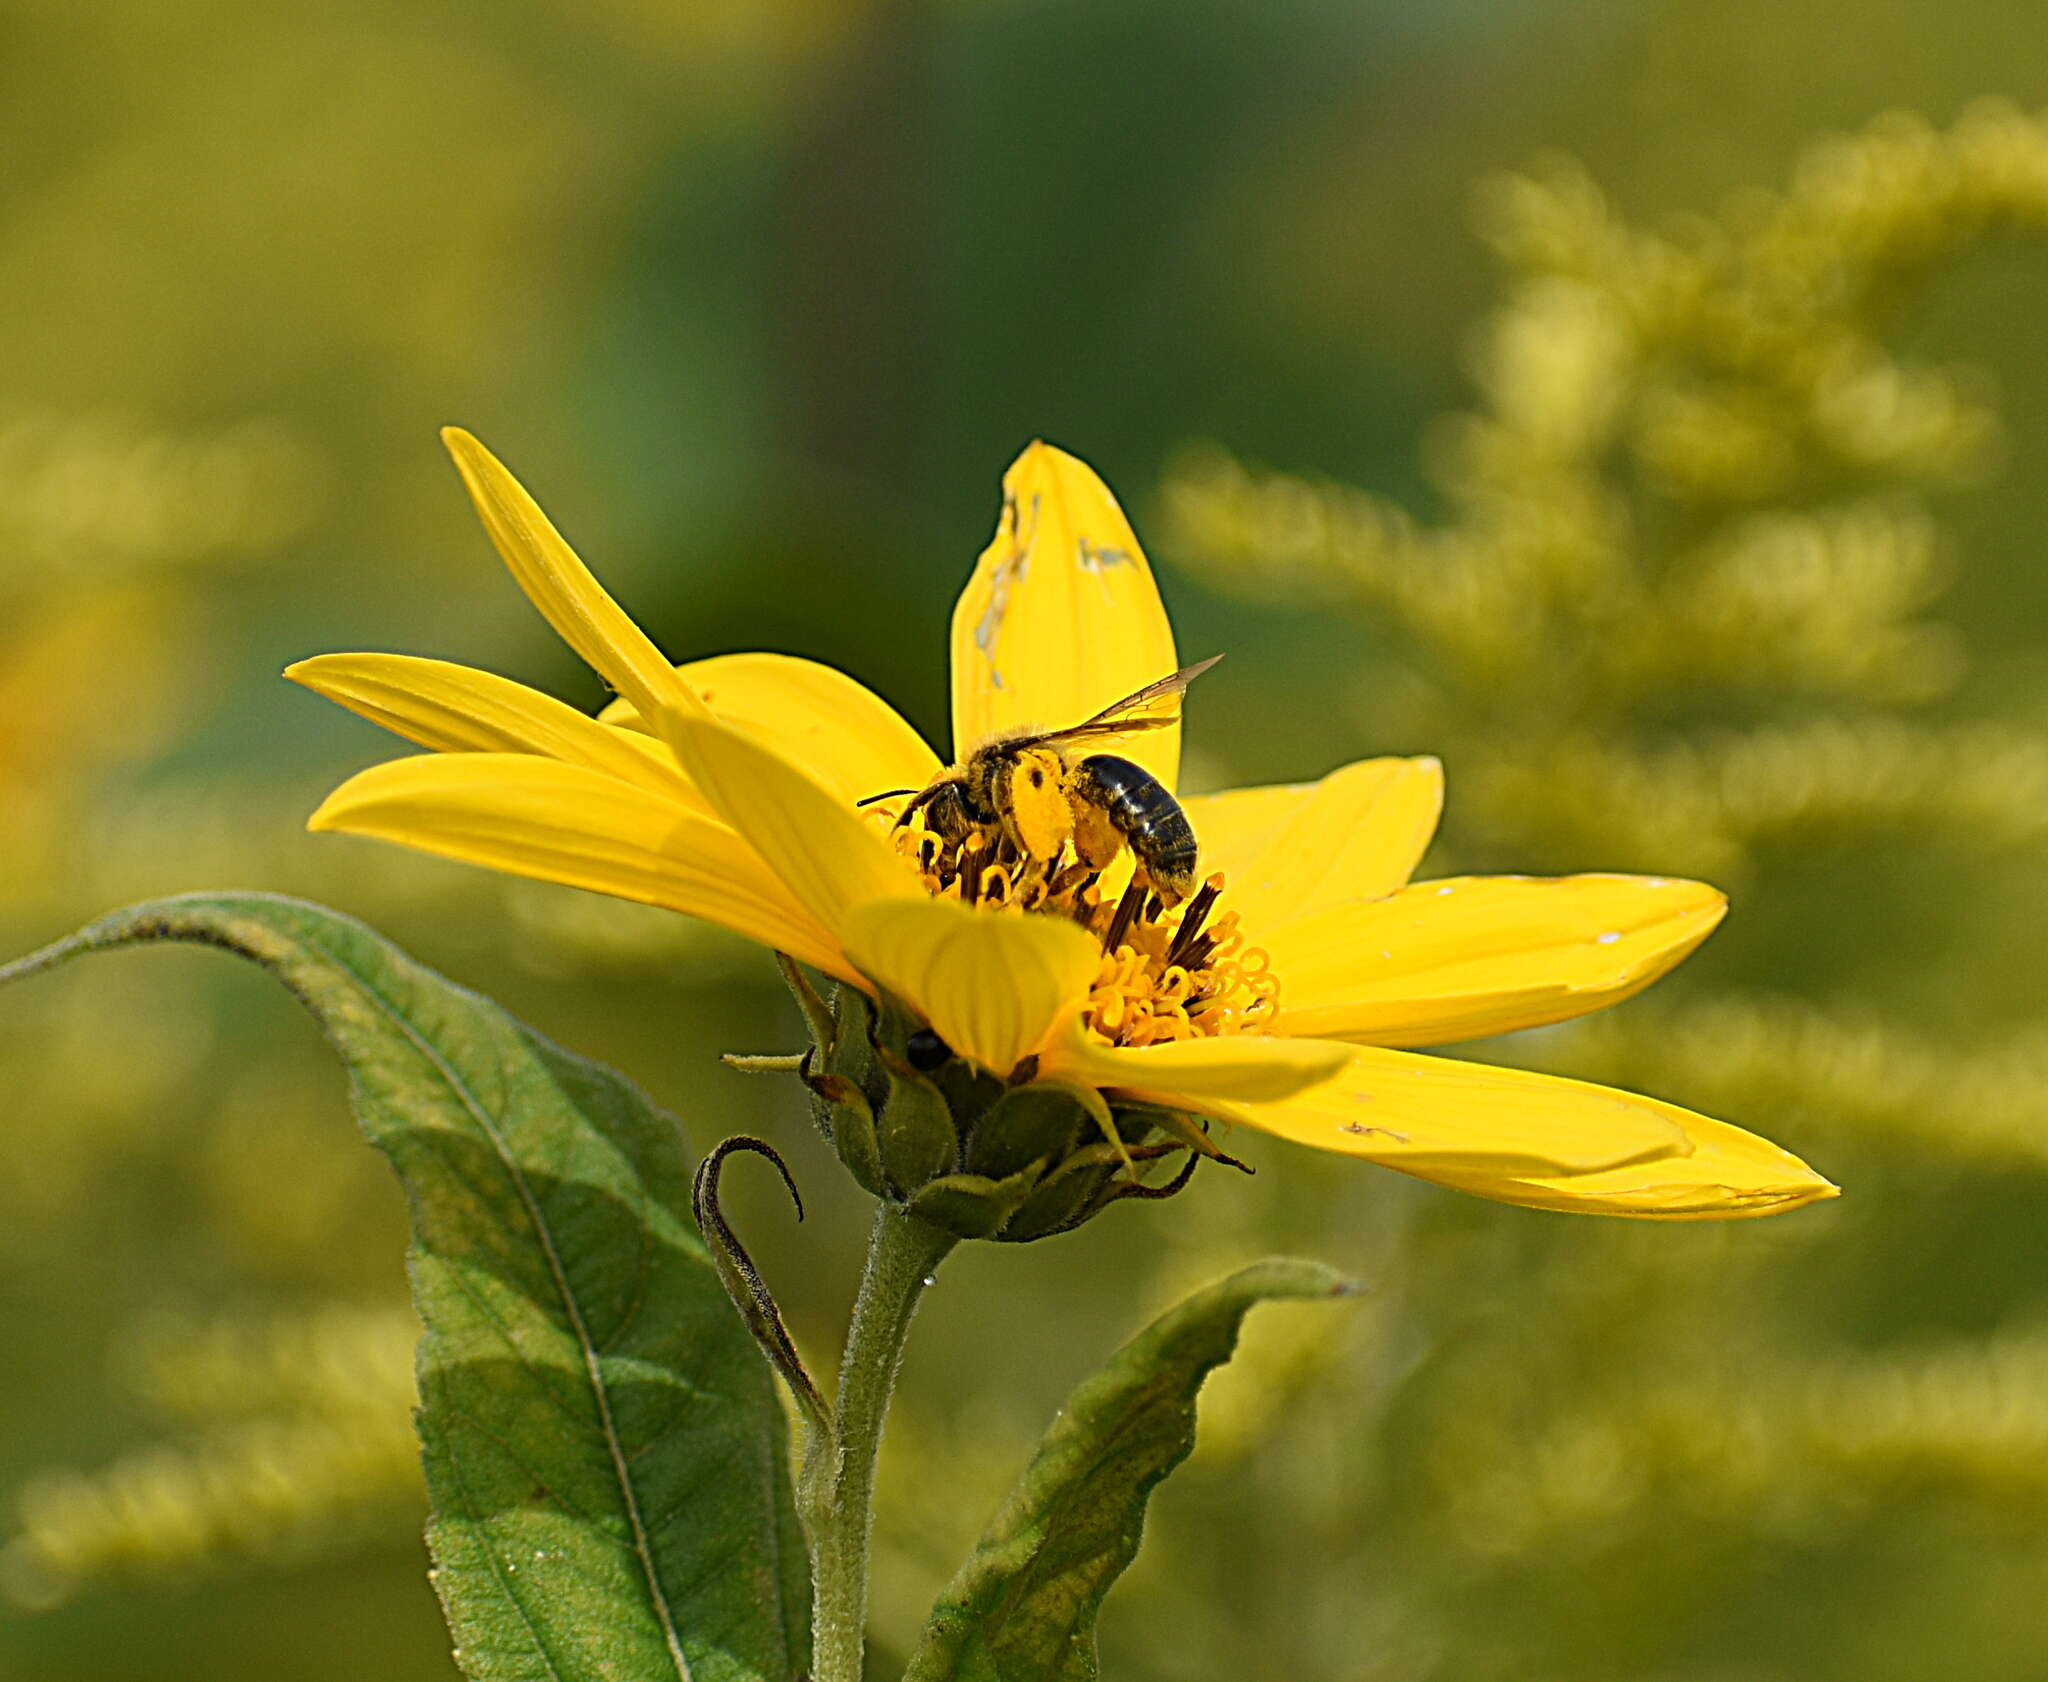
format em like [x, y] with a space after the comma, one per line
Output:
[886, 794]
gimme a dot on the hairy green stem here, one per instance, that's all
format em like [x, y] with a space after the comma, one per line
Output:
[837, 1493]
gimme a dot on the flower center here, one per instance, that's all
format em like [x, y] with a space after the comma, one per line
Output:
[1168, 972]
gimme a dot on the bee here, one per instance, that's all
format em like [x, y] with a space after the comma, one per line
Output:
[1025, 784]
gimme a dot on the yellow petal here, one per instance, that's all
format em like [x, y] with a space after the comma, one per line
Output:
[991, 985]
[1465, 1124]
[566, 823]
[840, 731]
[1197, 1074]
[1452, 960]
[829, 857]
[456, 709]
[1288, 852]
[561, 586]
[1235, 825]
[1061, 617]
[1730, 1175]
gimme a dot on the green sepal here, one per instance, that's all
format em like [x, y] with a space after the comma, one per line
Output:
[1024, 1606]
[851, 1049]
[1026, 1124]
[1134, 1120]
[848, 1123]
[817, 1014]
[1136, 1123]
[969, 1090]
[914, 1129]
[973, 1205]
[1084, 1182]
[891, 1027]
[1062, 1153]
[1064, 1198]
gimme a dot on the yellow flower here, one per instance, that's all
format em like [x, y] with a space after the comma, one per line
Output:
[731, 789]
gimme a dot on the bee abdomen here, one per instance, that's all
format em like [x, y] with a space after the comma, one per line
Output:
[1141, 810]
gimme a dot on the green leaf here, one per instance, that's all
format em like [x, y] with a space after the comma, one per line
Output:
[1023, 1607]
[605, 1453]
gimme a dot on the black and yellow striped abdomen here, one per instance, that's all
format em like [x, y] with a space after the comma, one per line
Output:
[1140, 809]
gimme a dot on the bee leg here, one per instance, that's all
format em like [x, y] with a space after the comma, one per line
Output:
[1097, 840]
[903, 817]
[945, 811]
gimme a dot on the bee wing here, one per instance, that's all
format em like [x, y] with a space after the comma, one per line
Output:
[1152, 708]
[1157, 703]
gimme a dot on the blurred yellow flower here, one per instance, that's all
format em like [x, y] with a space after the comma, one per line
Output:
[732, 789]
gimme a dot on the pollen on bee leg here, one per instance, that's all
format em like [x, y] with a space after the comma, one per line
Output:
[1097, 841]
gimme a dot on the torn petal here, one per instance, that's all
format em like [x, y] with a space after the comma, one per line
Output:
[1061, 617]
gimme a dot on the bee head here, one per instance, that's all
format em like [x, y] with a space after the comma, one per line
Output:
[945, 810]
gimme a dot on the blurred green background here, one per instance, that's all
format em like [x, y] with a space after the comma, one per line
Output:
[759, 299]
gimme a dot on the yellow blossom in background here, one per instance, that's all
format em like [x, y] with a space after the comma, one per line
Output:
[734, 789]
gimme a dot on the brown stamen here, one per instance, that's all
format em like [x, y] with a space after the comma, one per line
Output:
[1126, 914]
[1191, 921]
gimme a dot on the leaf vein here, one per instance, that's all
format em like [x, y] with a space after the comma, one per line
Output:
[593, 1365]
